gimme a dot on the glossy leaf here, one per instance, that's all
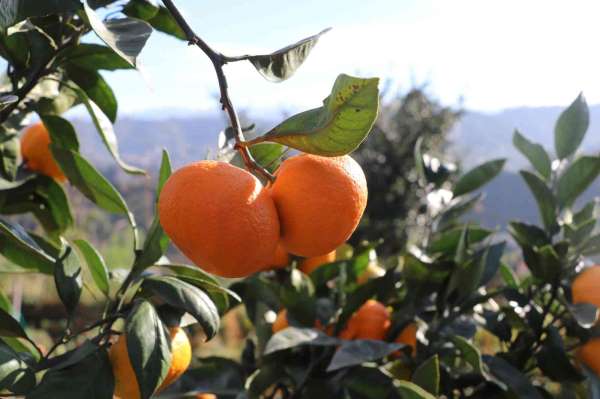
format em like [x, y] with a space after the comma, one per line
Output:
[13, 11]
[91, 378]
[491, 260]
[94, 57]
[96, 265]
[336, 128]
[18, 247]
[9, 327]
[427, 375]
[512, 377]
[544, 198]
[107, 133]
[355, 352]
[528, 234]
[458, 208]
[535, 153]
[10, 155]
[478, 177]
[68, 279]
[470, 353]
[408, 390]
[162, 21]
[447, 241]
[7, 99]
[553, 360]
[576, 179]
[62, 133]
[571, 127]
[141, 9]
[97, 90]
[126, 36]
[15, 375]
[184, 296]
[282, 64]
[293, 337]
[148, 347]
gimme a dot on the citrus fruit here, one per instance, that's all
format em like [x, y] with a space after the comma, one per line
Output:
[279, 259]
[126, 386]
[206, 396]
[371, 321]
[320, 201]
[281, 322]
[308, 265]
[36, 153]
[589, 353]
[408, 336]
[220, 217]
[585, 286]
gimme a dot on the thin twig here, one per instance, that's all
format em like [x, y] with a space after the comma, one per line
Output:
[219, 60]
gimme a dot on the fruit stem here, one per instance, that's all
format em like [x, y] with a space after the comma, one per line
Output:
[219, 60]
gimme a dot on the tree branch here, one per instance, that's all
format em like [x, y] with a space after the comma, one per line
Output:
[218, 60]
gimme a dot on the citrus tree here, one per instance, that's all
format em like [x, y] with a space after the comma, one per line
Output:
[444, 314]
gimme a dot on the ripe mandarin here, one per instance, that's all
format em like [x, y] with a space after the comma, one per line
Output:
[320, 201]
[220, 217]
[585, 289]
[371, 321]
[126, 386]
[280, 258]
[36, 152]
[308, 265]
[281, 322]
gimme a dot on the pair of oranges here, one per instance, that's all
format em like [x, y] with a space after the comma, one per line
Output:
[229, 224]
[585, 290]
[370, 321]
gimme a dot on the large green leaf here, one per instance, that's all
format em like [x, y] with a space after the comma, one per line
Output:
[91, 378]
[95, 264]
[96, 89]
[9, 327]
[478, 176]
[469, 353]
[94, 57]
[15, 375]
[148, 347]
[68, 279]
[544, 198]
[13, 11]
[62, 133]
[141, 9]
[571, 127]
[427, 375]
[159, 17]
[282, 64]
[355, 352]
[535, 153]
[293, 337]
[126, 36]
[518, 383]
[107, 133]
[18, 247]
[408, 390]
[185, 297]
[576, 179]
[336, 128]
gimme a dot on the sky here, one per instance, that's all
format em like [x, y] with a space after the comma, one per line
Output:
[485, 55]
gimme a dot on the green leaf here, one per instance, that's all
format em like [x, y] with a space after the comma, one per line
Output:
[509, 276]
[448, 240]
[9, 327]
[458, 208]
[126, 36]
[18, 247]
[554, 361]
[162, 20]
[89, 181]
[156, 242]
[293, 337]
[68, 279]
[282, 64]
[470, 353]
[356, 352]
[336, 128]
[96, 264]
[586, 213]
[544, 198]
[97, 90]
[107, 133]
[13, 11]
[62, 133]
[478, 176]
[10, 155]
[184, 296]
[571, 127]
[148, 347]
[576, 179]
[15, 374]
[408, 390]
[95, 57]
[528, 234]
[91, 378]
[518, 383]
[491, 260]
[6, 100]
[141, 9]
[535, 153]
[427, 375]
[268, 155]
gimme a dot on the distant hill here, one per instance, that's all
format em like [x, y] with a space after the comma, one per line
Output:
[477, 138]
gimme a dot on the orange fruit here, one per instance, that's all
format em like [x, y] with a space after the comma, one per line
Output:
[36, 153]
[281, 322]
[126, 386]
[206, 396]
[220, 217]
[371, 321]
[585, 286]
[589, 353]
[408, 336]
[280, 258]
[308, 265]
[320, 201]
